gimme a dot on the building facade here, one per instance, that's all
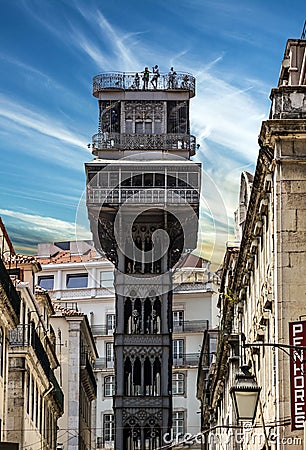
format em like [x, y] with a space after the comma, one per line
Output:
[77, 356]
[194, 310]
[143, 201]
[263, 286]
[32, 398]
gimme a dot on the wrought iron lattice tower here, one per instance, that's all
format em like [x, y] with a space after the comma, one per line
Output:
[143, 202]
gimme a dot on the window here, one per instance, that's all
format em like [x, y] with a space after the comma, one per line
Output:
[109, 355]
[107, 279]
[143, 127]
[79, 280]
[1, 351]
[178, 383]
[178, 351]
[46, 282]
[110, 323]
[108, 427]
[178, 421]
[178, 319]
[109, 386]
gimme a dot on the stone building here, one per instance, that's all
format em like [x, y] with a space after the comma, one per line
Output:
[143, 202]
[77, 356]
[32, 397]
[92, 293]
[263, 284]
[9, 319]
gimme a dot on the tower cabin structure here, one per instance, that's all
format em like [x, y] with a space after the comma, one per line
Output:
[143, 203]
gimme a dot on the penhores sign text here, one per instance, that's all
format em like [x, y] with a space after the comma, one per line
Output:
[297, 337]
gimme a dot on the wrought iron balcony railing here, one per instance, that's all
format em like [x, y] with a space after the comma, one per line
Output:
[142, 195]
[26, 336]
[139, 141]
[186, 359]
[127, 81]
[190, 326]
[102, 330]
[57, 390]
[88, 369]
[104, 363]
[9, 288]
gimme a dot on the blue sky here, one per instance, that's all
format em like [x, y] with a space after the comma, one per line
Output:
[51, 49]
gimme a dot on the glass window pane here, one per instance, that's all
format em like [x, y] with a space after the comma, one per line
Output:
[107, 279]
[46, 282]
[77, 281]
[178, 385]
[108, 426]
[148, 127]
[109, 384]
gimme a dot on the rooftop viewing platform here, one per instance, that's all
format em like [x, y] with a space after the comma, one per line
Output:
[133, 81]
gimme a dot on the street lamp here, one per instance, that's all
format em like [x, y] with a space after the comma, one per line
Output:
[245, 395]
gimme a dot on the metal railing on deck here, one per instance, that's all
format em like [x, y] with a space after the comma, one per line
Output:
[127, 81]
[142, 195]
[137, 141]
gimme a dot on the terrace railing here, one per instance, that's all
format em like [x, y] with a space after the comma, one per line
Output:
[127, 81]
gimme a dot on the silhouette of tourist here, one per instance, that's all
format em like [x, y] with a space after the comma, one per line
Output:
[137, 80]
[156, 75]
[172, 78]
[145, 78]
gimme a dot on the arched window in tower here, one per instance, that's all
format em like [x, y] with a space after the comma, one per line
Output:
[147, 376]
[128, 377]
[156, 314]
[132, 436]
[156, 377]
[136, 377]
[127, 316]
[152, 435]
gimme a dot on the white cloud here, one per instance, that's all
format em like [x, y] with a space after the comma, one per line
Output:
[48, 227]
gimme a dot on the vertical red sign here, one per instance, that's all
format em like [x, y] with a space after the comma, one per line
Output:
[297, 337]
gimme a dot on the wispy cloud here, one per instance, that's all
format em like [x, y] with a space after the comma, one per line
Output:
[37, 121]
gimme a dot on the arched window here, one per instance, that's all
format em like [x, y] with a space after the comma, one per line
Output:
[109, 386]
[178, 383]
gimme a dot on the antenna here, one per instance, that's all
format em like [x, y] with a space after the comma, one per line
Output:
[303, 35]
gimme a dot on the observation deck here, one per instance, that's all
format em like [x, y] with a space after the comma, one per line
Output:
[143, 142]
[122, 81]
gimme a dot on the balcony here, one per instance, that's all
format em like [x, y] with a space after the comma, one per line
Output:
[190, 326]
[88, 377]
[186, 360]
[134, 141]
[9, 288]
[288, 102]
[104, 363]
[26, 336]
[126, 81]
[102, 330]
[142, 196]
[57, 390]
